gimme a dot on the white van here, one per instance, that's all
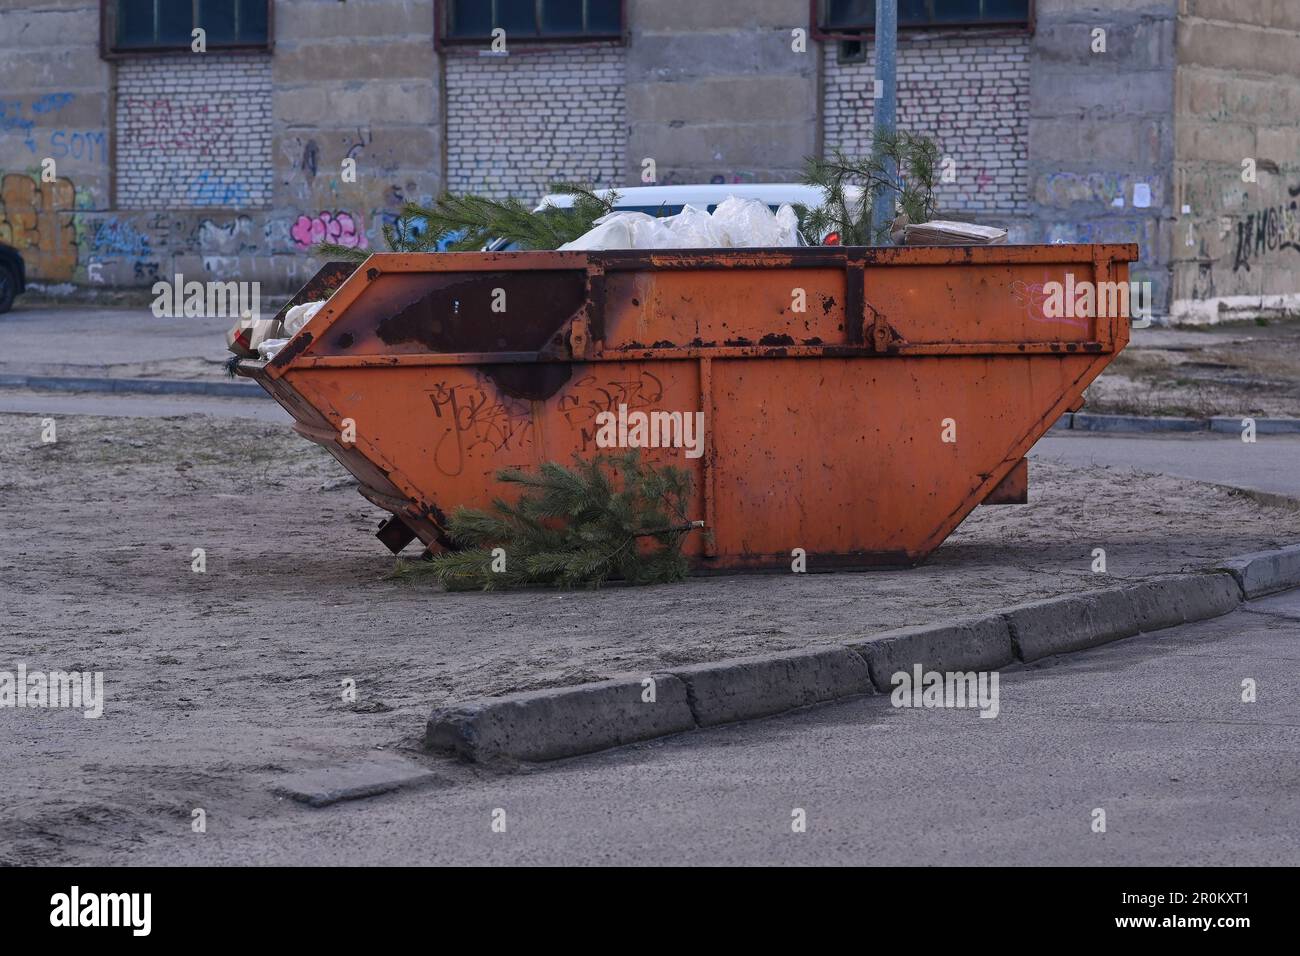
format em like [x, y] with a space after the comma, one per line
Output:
[669, 200]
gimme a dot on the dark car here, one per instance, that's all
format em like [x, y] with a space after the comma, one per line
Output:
[13, 276]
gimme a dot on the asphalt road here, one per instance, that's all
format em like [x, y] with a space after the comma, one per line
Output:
[25, 401]
[52, 340]
[1270, 464]
[1152, 730]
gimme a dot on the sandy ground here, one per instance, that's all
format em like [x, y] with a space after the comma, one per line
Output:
[218, 677]
[1231, 369]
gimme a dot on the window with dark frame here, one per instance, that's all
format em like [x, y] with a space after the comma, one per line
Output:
[851, 16]
[168, 24]
[533, 20]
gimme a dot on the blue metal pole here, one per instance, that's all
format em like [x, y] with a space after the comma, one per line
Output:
[884, 112]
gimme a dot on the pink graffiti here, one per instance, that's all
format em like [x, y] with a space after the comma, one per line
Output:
[341, 228]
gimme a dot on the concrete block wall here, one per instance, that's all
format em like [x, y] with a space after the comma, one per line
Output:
[227, 165]
[1101, 139]
[54, 103]
[518, 123]
[970, 94]
[356, 80]
[1236, 244]
[359, 81]
[716, 93]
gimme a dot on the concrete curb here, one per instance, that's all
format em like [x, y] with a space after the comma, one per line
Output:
[136, 386]
[976, 643]
[1263, 426]
[747, 687]
[1075, 622]
[1135, 423]
[1139, 424]
[568, 721]
[1265, 572]
[560, 722]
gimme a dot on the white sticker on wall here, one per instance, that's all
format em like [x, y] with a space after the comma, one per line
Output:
[1141, 195]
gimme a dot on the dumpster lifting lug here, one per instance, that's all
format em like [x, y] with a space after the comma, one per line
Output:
[883, 335]
[579, 337]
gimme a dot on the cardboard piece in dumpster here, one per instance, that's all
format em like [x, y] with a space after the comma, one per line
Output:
[249, 333]
[942, 232]
[262, 338]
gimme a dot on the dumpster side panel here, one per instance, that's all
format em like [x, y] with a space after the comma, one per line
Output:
[849, 459]
[1002, 303]
[736, 307]
[442, 433]
[420, 312]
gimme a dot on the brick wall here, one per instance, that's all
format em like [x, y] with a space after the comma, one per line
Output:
[969, 94]
[518, 123]
[194, 131]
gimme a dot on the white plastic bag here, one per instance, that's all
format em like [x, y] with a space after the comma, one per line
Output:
[610, 234]
[267, 348]
[694, 228]
[735, 222]
[788, 221]
[620, 230]
[747, 222]
[299, 316]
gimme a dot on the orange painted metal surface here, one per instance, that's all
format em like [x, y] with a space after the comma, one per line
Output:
[832, 382]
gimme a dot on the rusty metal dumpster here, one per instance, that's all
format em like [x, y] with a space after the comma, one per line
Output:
[858, 403]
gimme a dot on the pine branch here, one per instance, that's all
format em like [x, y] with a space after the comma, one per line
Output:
[604, 518]
[912, 157]
[333, 251]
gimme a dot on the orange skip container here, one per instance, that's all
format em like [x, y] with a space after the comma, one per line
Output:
[858, 402]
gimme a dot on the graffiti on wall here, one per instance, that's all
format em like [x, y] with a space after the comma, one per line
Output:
[208, 188]
[38, 124]
[114, 237]
[37, 219]
[174, 123]
[1267, 231]
[340, 228]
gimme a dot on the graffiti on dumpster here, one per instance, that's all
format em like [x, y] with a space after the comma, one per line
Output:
[472, 418]
[1032, 297]
[1268, 230]
[589, 396]
[478, 417]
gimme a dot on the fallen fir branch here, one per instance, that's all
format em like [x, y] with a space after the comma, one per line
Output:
[607, 518]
